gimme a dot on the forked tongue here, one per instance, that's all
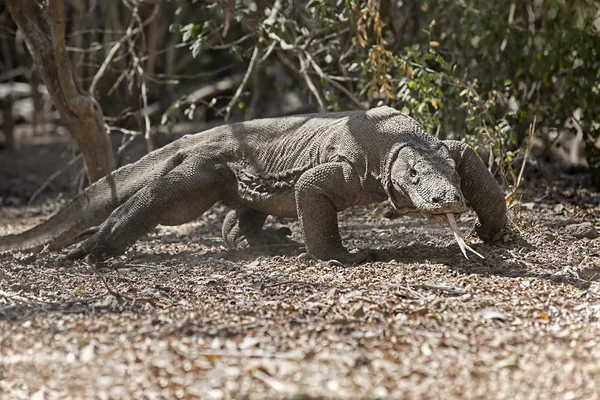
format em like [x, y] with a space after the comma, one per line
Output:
[461, 242]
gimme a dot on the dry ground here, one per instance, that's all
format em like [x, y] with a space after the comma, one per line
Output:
[180, 317]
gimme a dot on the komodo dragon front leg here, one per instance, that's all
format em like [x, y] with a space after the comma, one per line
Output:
[178, 197]
[320, 193]
[247, 224]
[480, 190]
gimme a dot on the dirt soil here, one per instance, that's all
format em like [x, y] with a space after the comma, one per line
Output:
[180, 317]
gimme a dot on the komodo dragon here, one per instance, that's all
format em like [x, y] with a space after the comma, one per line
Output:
[306, 166]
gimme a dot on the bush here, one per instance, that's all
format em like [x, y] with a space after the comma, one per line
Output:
[469, 69]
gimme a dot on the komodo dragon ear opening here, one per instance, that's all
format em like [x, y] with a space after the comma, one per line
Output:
[444, 151]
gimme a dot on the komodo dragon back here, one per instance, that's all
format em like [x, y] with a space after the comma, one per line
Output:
[95, 203]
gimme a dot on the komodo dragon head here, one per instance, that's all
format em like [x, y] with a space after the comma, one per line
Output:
[427, 176]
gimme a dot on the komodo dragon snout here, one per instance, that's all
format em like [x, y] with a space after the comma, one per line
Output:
[429, 179]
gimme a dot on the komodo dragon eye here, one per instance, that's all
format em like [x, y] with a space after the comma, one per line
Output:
[413, 172]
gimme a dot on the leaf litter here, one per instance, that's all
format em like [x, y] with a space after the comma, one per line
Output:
[181, 317]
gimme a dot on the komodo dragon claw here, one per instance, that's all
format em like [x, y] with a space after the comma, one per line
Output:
[88, 232]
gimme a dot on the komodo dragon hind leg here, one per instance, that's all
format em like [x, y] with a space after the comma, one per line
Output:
[247, 224]
[173, 199]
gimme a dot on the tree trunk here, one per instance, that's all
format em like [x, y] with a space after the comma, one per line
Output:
[81, 113]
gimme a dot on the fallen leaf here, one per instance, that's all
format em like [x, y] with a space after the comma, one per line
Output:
[489, 314]
[511, 363]
[358, 311]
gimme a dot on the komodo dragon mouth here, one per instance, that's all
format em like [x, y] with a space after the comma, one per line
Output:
[440, 218]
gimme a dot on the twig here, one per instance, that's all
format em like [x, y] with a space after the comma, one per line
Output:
[410, 288]
[13, 73]
[122, 130]
[137, 68]
[114, 87]
[256, 354]
[240, 89]
[103, 67]
[91, 49]
[527, 151]
[229, 45]
[314, 40]
[414, 294]
[342, 78]
[448, 289]
[272, 285]
[268, 52]
[52, 177]
[311, 85]
[23, 299]
[147, 133]
[213, 72]
[275, 384]
[110, 290]
[287, 63]
[212, 89]
[333, 83]
[141, 74]
[116, 47]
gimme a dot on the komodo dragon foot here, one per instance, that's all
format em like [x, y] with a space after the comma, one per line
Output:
[246, 226]
[94, 249]
[263, 237]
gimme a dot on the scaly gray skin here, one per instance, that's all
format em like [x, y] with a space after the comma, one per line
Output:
[306, 166]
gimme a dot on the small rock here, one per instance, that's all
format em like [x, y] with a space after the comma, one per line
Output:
[548, 237]
[594, 289]
[39, 395]
[583, 230]
[257, 285]
[379, 392]
[589, 270]
[328, 277]
[87, 353]
[528, 206]
[358, 311]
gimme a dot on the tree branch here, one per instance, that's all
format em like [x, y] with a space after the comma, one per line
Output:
[333, 83]
[240, 89]
[63, 65]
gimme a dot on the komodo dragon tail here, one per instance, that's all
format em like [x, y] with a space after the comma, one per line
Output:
[93, 205]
